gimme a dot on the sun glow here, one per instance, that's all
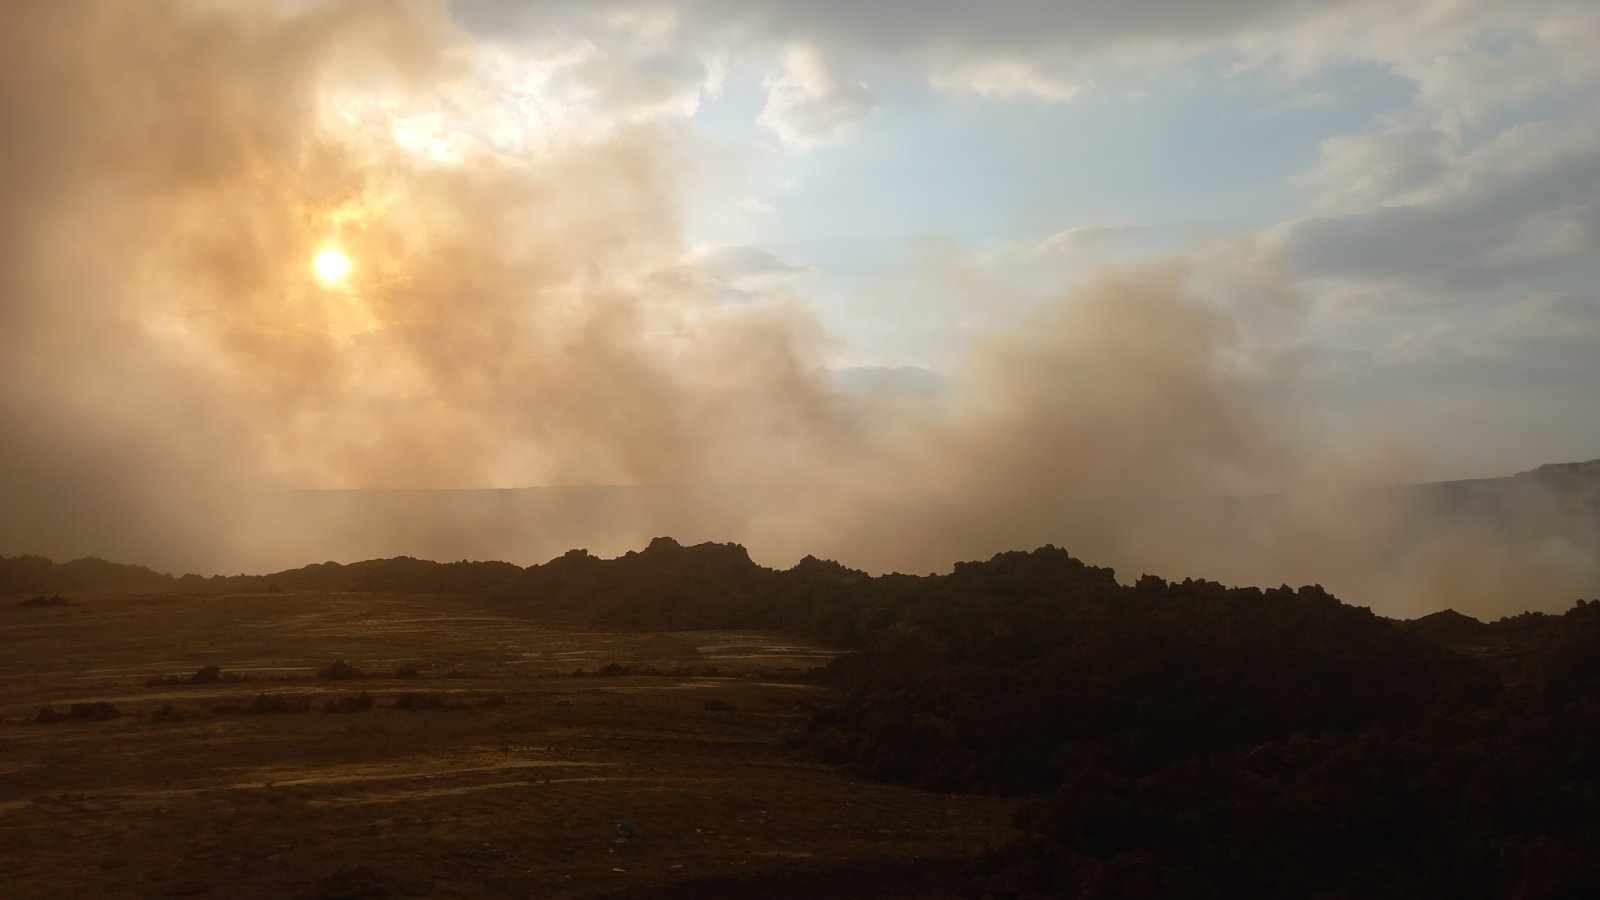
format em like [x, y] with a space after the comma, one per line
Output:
[332, 266]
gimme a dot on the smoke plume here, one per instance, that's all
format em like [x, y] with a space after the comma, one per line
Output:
[177, 382]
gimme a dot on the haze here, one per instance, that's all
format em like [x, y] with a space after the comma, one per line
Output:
[898, 285]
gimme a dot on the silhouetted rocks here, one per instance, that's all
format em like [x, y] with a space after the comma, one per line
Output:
[997, 676]
[404, 574]
[1582, 475]
[1183, 738]
[1450, 628]
[666, 586]
[1188, 739]
[1171, 738]
[43, 601]
[36, 574]
[1179, 738]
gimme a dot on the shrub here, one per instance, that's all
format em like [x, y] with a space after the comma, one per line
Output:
[339, 670]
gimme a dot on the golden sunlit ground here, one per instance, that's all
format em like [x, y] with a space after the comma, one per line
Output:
[511, 780]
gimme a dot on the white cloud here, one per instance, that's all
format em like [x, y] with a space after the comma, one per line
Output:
[743, 274]
[1530, 194]
[1354, 172]
[1004, 80]
[1077, 238]
[1458, 231]
[1467, 58]
[807, 104]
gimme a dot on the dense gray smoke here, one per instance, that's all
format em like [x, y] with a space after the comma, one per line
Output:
[177, 381]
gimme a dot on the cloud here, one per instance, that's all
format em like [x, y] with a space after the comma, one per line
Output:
[1004, 80]
[913, 381]
[504, 324]
[1079, 237]
[745, 262]
[528, 318]
[555, 68]
[1449, 272]
[1469, 56]
[1010, 51]
[1357, 172]
[1463, 219]
[808, 105]
[745, 274]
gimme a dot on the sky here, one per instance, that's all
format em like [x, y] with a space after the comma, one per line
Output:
[1424, 178]
[963, 271]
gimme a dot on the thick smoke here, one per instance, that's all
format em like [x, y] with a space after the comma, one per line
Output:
[175, 378]
[508, 323]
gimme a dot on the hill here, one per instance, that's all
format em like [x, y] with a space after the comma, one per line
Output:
[402, 574]
[1178, 738]
[1484, 546]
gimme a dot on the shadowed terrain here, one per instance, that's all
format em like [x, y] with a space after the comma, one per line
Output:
[1006, 447]
[680, 721]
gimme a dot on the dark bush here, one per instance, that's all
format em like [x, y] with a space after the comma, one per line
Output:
[339, 670]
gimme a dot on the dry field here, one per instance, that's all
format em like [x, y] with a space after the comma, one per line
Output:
[490, 771]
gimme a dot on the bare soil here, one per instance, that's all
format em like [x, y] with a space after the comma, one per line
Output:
[491, 770]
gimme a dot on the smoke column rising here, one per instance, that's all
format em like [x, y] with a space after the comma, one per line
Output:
[173, 370]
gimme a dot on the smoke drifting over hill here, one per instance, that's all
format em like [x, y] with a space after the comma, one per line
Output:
[172, 368]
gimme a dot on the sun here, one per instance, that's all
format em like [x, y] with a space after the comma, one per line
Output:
[331, 265]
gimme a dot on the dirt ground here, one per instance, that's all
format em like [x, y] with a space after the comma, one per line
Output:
[491, 771]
